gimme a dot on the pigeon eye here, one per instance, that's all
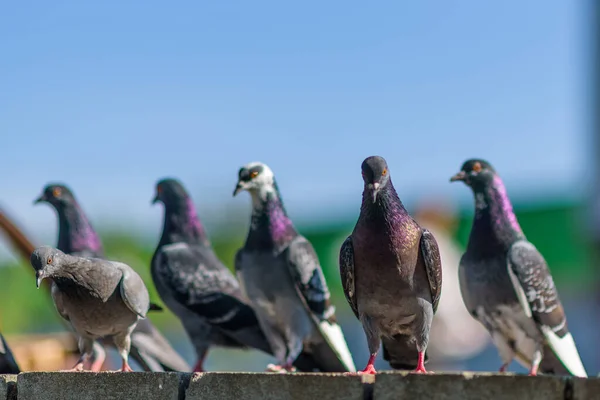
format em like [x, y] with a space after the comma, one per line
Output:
[477, 167]
[49, 260]
[159, 189]
[56, 192]
[253, 174]
[384, 172]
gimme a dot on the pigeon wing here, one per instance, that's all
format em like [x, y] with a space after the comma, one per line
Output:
[433, 266]
[199, 281]
[133, 291]
[538, 296]
[310, 284]
[347, 273]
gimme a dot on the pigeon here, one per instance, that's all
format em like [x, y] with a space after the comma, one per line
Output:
[98, 297]
[507, 286]
[76, 236]
[194, 283]
[280, 273]
[391, 273]
[8, 365]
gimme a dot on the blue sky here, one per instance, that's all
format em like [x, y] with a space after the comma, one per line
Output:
[110, 96]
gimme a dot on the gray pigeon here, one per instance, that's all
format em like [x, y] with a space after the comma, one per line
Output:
[98, 297]
[391, 273]
[507, 286]
[195, 285]
[8, 365]
[280, 273]
[76, 236]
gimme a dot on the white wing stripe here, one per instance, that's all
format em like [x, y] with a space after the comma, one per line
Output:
[519, 289]
[566, 351]
[334, 336]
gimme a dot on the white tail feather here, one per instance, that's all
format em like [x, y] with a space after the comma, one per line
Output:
[566, 351]
[334, 336]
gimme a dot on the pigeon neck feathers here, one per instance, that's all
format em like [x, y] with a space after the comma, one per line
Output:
[270, 226]
[75, 232]
[495, 223]
[182, 224]
[387, 213]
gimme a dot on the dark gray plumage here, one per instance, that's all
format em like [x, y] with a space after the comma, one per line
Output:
[195, 285]
[507, 286]
[98, 297]
[77, 237]
[8, 365]
[391, 273]
[280, 273]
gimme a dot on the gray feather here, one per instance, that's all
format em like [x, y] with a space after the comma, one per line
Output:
[133, 291]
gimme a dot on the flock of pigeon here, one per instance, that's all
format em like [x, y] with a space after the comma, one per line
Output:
[390, 269]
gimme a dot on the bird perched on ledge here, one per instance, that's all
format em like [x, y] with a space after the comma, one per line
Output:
[507, 286]
[391, 273]
[195, 285]
[280, 273]
[76, 236]
[98, 297]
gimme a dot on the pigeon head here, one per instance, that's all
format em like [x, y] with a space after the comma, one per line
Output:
[376, 175]
[55, 194]
[45, 260]
[256, 178]
[181, 222]
[475, 173]
[169, 191]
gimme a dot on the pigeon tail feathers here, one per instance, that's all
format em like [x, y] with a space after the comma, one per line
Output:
[566, 351]
[334, 336]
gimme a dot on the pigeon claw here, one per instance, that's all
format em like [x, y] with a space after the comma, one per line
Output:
[369, 370]
[77, 368]
[126, 367]
[274, 368]
[421, 364]
[503, 367]
[280, 369]
[420, 370]
[198, 367]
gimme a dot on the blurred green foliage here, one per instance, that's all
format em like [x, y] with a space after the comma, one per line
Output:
[556, 230]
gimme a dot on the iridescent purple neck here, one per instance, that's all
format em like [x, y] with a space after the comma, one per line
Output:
[270, 227]
[181, 224]
[387, 215]
[495, 221]
[75, 232]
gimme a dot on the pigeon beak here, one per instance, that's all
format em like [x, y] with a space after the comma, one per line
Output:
[376, 187]
[461, 176]
[39, 277]
[40, 199]
[155, 199]
[238, 188]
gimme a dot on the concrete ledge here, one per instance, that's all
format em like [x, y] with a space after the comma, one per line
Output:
[8, 387]
[261, 386]
[467, 386]
[265, 386]
[584, 389]
[93, 386]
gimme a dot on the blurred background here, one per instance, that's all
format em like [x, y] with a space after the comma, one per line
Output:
[110, 96]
